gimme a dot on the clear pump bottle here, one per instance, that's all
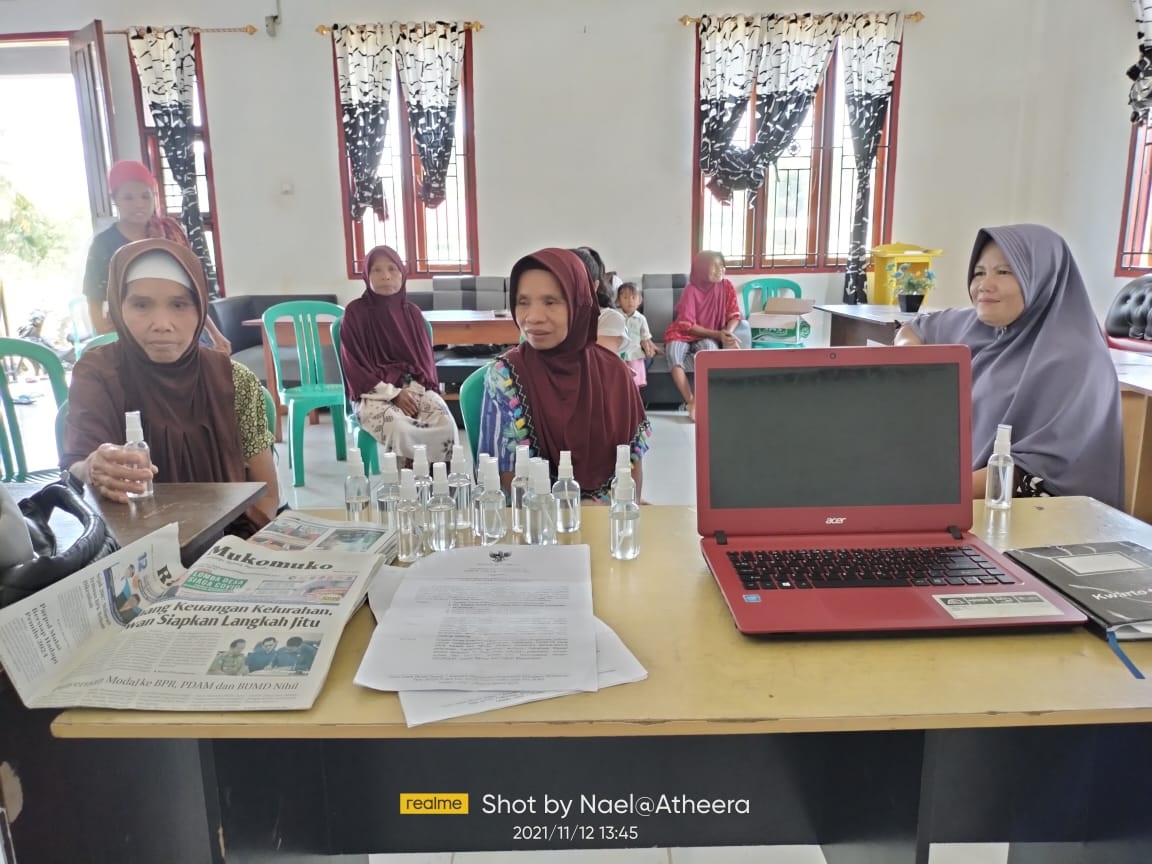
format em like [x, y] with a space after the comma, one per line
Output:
[460, 487]
[540, 508]
[423, 480]
[1001, 472]
[135, 443]
[410, 539]
[491, 523]
[623, 464]
[520, 484]
[357, 501]
[388, 492]
[624, 519]
[566, 491]
[441, 533]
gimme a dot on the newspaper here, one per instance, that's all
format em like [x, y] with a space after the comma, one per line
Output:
[296, 532]
[244, 628]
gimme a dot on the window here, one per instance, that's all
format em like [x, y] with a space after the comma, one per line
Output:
[801, 218]
[433, 241]
[1134, 257]
[170, 195]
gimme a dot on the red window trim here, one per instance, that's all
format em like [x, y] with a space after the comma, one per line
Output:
[150, 151]
[354, 247]
[820, 190]
[1137, 200]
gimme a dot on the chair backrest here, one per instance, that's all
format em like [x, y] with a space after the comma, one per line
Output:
[269, 410]
[61, 421]
[306, 324]
[471, 398]
[767, 288]
[102, 339]
[13, 352]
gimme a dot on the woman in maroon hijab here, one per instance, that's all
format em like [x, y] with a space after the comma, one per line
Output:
[559, 390]
[707, 317]
[389, 370]
[202, 413]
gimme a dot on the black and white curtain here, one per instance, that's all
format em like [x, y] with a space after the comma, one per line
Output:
[364, 58]
[1140, 94]
[429, 58]
[869, 50]
[779, 57]
[166, 64]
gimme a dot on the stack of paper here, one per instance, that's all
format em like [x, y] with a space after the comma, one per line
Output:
[479, 628]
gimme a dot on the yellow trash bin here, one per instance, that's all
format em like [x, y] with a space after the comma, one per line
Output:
[918, 259]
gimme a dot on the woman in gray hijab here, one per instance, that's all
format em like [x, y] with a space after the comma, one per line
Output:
[1039, 364]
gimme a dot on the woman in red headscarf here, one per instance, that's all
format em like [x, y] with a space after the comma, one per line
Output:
[133, 190]
[706, 318]
[559, 390]
[389, 370]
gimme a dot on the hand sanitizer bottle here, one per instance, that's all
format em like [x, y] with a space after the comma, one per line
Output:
[624, 519]
[460, 487]
[410, 542]
[423, 481]
[357, 502]
[441, 512]
[540, 508]
[567, 493]
[1001, 472]
[388, 492]
[479, 490]
[520, 487]
[623, 463]
[135, 443]
[491, 524]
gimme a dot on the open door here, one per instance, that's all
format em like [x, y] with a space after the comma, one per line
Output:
[90, 71]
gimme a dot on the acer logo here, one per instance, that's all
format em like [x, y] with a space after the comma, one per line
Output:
[835, 520]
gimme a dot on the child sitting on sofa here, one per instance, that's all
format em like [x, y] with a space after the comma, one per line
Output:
[638, 348]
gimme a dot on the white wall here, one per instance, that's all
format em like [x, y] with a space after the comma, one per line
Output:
[1009, 111]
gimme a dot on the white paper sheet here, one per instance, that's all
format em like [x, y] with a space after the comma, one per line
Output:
[615, 665]
[488, 618]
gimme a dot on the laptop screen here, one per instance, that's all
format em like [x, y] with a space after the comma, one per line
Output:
[834, 436]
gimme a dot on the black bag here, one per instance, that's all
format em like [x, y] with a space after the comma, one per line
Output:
[47, 564]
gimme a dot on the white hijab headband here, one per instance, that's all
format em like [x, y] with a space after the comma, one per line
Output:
[158, 264]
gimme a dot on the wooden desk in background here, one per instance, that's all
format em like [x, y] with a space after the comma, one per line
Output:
[470, 327]
[855, 325]
[1025, 738]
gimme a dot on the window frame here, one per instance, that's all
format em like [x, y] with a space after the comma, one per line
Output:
[820, 187]
[154, 159]
[415, 240]
[1136, 214]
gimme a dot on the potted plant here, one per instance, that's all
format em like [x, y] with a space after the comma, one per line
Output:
[910, 287]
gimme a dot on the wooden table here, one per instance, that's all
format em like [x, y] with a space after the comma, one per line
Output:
[472, 327]
[202, 510]
[871, 747]
[855, 325]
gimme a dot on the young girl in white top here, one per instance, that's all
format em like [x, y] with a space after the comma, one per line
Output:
[638, 349]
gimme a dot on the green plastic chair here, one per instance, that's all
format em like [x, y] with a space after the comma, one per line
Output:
[775, 337]
[471, 398]
[13, 352]
[312, 392]
[102, 339]
[269, 410]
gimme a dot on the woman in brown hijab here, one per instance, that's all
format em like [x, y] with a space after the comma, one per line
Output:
[203, 415]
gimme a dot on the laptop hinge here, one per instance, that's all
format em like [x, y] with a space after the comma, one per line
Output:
[721, 538]
[955, 532]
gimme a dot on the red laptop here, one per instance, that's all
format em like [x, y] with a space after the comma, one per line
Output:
[834, 490]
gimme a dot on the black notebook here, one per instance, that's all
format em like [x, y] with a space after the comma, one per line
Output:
[1111, 582]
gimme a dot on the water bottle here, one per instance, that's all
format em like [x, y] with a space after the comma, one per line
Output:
[423, 481]
[479, 489]
[388, 492]
[441, 510]
[491, 523]
[566, 491]
[1001, 472]
[520, 485]
[460, 487]
[135, 443]
[357, 501]
[540, 508]
[410, 542]
[623, 464]
[624, 519]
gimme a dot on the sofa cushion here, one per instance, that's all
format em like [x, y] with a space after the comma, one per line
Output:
[1128, 317]
[470, 292]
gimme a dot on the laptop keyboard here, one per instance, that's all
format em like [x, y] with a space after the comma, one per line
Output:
[930, 567]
